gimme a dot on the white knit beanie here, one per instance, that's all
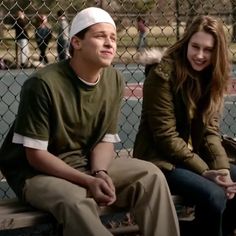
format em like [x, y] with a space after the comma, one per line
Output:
[87, 17]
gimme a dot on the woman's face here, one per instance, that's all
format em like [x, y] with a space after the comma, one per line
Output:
[200, 48]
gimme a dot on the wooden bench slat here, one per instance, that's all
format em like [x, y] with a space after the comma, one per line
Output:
[8, 206]
[125, 229]
[29, 219]
[15, 215]
[23, 219]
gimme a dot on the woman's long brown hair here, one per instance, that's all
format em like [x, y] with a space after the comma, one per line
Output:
[219, 73]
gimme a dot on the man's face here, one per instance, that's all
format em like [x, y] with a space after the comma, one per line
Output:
[99, 44]
[200, 49]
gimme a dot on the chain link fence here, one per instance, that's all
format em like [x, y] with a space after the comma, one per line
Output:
[165, 21]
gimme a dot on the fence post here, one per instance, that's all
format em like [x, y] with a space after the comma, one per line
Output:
[17, 58]
[177, 19]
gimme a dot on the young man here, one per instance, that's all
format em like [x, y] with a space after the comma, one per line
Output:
[63, 36]
[59, 155]
[43, 35]
[143, 31]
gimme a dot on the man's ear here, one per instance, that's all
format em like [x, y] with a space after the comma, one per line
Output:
[76, 42]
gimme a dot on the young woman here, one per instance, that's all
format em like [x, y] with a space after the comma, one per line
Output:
[179, 129]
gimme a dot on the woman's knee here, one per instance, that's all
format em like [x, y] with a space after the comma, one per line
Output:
[216, 199]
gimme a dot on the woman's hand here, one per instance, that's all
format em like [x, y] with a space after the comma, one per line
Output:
[223, 179]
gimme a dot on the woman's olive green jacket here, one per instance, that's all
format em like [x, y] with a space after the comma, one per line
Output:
[165, 128]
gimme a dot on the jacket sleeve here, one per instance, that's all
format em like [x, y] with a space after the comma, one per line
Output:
[212, 150]
[158, 104]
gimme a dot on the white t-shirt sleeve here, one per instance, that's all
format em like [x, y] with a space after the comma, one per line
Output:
[42, 145]
[111, 138]
[29, 142]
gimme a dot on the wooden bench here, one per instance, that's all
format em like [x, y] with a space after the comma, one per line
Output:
[16, 215]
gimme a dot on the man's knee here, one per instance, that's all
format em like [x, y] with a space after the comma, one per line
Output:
[52, 189]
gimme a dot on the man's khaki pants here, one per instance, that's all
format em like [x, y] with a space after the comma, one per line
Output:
[140, 185]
